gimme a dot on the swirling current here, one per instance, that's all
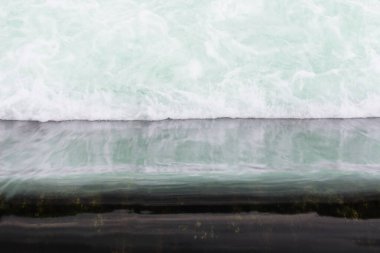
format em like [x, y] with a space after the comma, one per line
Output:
[180, 59]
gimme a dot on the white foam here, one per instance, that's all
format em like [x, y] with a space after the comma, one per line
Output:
[151, 60]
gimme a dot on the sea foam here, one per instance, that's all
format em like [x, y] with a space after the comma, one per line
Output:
[150, 60]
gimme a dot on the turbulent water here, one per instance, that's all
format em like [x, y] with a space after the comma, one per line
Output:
[149, 59]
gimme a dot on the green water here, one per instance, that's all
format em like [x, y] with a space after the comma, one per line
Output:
[149, 59]
[270, 156]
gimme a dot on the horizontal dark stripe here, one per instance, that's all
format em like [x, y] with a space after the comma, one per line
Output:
[357, 206]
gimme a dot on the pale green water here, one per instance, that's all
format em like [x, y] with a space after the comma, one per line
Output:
[149, 59]
[269, 156]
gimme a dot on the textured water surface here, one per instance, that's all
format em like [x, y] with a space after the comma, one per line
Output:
[149, 59]
[186, 186]
[194, 156]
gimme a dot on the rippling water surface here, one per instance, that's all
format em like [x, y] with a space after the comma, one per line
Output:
[342, 155]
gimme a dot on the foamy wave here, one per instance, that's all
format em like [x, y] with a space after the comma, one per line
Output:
[151, 60]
